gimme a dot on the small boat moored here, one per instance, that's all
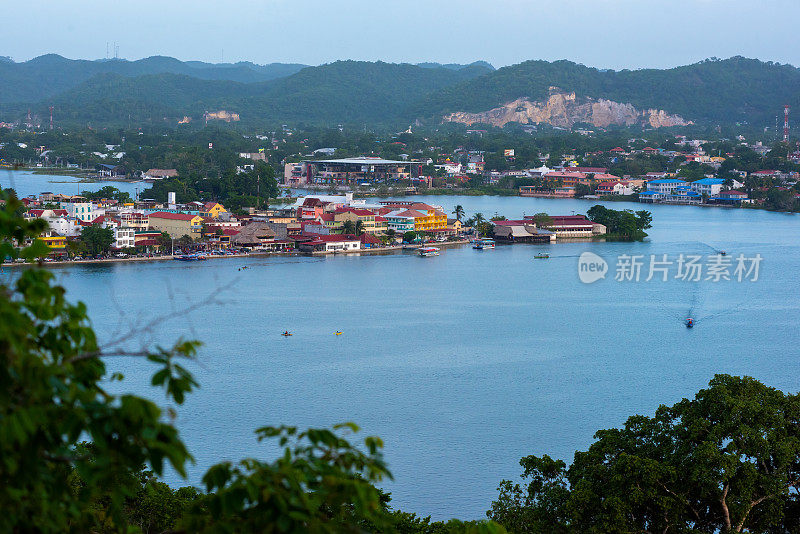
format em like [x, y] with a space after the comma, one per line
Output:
[689, 322]
[428, 251]
[542, 256]
[483, 244]
[190, 257]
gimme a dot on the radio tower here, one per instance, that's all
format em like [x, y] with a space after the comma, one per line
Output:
[51, 117]
[786, 123]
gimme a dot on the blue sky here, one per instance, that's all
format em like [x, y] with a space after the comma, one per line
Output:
[601, 33]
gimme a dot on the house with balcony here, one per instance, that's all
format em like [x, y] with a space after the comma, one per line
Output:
[683, 194]
[401, 221]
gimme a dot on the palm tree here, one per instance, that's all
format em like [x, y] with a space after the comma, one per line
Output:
[479, 218]
[459, 212]
[359, 227]
[348, 227]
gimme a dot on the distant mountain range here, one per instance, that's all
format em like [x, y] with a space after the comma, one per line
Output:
[166, 91]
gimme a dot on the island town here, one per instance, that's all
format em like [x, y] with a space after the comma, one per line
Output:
[82, 229]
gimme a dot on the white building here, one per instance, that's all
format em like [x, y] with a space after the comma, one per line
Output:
[58, 221]
[83, 211]
[711, 186]
[664, 186]
[124, 237]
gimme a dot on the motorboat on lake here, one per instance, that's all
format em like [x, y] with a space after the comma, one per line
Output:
[428, 251]
[483, 244]
[191, 257]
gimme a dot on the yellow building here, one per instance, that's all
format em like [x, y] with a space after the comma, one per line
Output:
[341, 215]
[176, 224]
[213, 210]
[430, 220]
[56, 243]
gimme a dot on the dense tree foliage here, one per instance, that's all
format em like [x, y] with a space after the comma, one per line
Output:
[726, 461]
[229, 187]
[98, 240]
[622, 224]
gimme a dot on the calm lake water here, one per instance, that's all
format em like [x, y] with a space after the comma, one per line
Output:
[27, 183]
[465, 362]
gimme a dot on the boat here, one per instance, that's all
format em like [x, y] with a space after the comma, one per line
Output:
[483, 244]
[286, 334]
[428, 251]
[542, 256]
[723, 253]
[337, 333]
[190, 257]
[689, 322]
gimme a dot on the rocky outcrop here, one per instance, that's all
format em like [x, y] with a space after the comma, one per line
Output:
[221, 115]
[565, 109]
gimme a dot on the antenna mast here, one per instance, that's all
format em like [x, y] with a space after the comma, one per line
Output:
[786, 123]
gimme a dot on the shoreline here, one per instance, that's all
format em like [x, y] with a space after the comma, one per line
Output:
[257, 254]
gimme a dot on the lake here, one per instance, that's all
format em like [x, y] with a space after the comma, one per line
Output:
[28, 183]
[465, 362]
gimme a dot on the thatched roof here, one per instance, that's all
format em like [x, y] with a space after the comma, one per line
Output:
[253, 234]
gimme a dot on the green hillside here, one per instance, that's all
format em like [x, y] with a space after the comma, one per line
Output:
[49, 75]
[342, 92]
[357, 92]
[731, 90]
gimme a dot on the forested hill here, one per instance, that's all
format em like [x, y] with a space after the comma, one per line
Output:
[713, 91]
[49, 75]
[164, 91]
[340, 92]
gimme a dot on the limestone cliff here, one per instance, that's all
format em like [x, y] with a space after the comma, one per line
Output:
[564, 109]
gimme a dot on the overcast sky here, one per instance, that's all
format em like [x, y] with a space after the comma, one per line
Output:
[601, 33]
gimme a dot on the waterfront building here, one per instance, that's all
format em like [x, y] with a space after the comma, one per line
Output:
[176, 224]
[664, 185]
[124, 237]
[650, 197]
[710, 186]
[522, 231]
[330, 243]
[254, 235]
[616, 187]
[732, 197]
[367, 218]
[572, 226]
[56, 243]
[149, 240]
[683, 194]
[401, 221]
